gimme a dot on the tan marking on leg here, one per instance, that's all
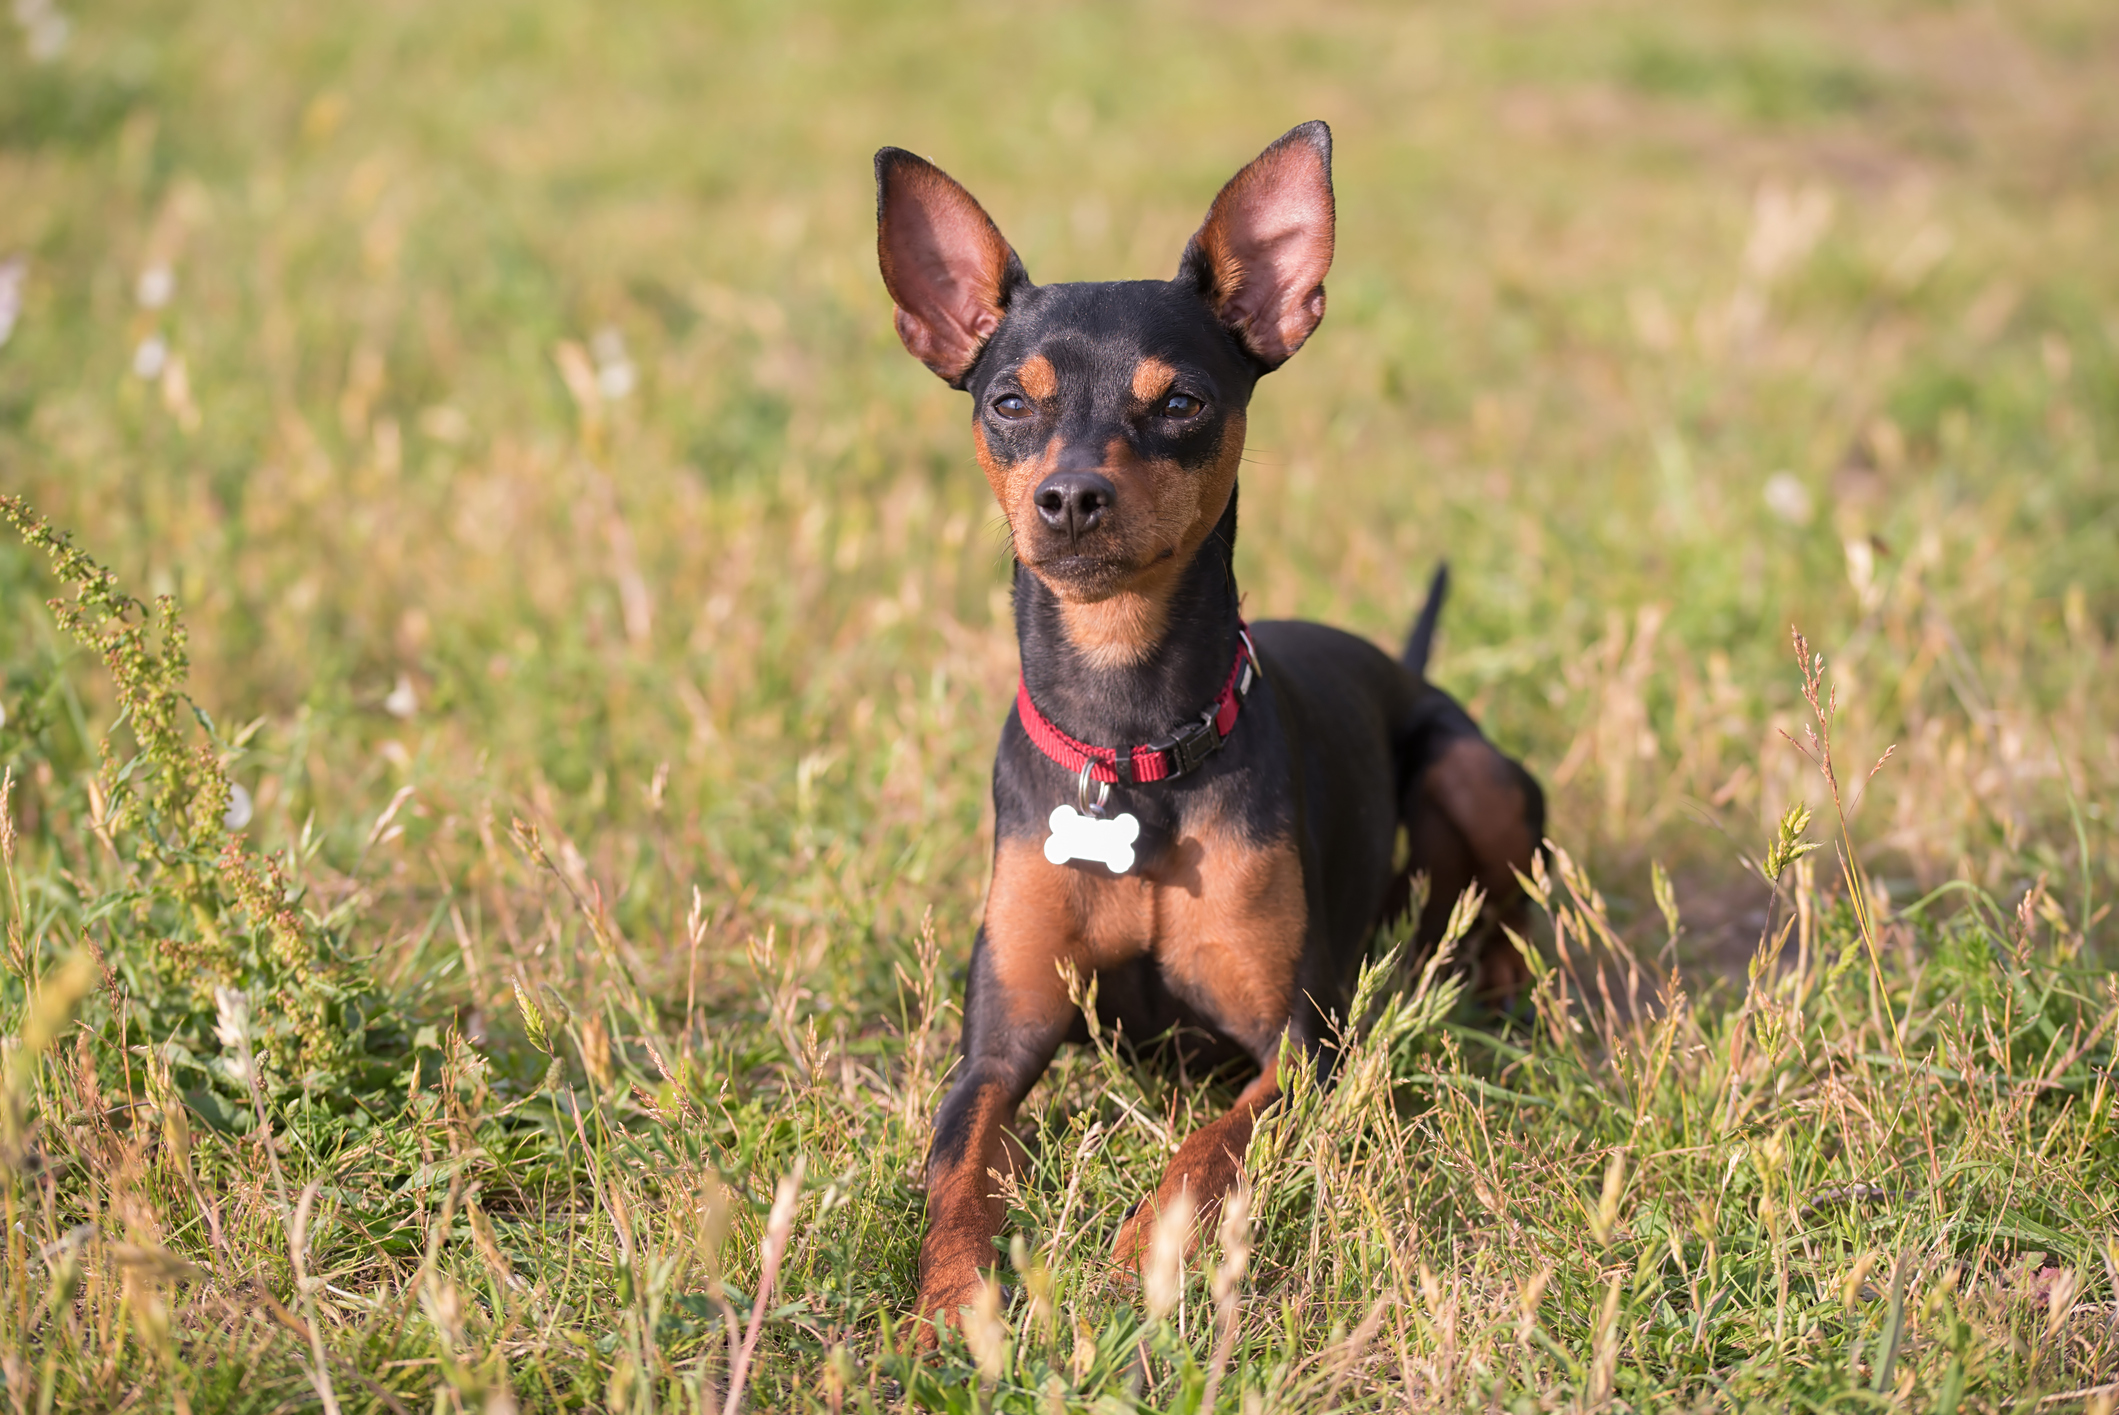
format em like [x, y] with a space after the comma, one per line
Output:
[1207, 1166]
[963, 1215]
[1231, 917]
[1475, 825]
[1151, 379]
[1438, 852]
[1503, 974]
[1484, 800]
[1225, 917]
[1034, 918]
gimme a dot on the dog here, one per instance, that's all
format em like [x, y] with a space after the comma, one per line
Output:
[1200, 815]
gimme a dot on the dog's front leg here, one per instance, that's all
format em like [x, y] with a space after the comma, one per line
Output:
[1012, 1027]
[1206, 1167]
[1232, 953]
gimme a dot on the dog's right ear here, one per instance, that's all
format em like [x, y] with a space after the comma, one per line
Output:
[946, 265]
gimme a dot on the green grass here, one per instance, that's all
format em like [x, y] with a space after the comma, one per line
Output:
[618, 757]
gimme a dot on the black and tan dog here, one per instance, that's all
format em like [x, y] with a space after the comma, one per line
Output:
[1200, 814]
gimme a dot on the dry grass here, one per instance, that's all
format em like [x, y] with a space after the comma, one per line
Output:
[527, 444]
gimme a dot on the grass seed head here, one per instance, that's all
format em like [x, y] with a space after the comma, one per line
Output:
[1234, 1235]
[1602, 1224]
[1788, 844]
[985, 1333]
[532, 1018]
[1162, 1274]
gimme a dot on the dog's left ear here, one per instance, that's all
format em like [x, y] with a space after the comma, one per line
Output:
[1259, 260]
[948, 268]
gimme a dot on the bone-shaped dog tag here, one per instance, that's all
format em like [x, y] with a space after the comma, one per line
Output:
[1075, 836]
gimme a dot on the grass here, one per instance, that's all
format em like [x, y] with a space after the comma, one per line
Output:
[600, 619]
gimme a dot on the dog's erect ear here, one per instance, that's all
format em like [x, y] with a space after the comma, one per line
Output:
[1260, 258]
[948, 269]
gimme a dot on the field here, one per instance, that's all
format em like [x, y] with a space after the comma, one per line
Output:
[597, 630]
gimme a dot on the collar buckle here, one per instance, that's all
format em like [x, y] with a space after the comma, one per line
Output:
[1192, 744]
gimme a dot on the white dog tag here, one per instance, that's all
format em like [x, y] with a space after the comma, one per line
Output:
[1079, 837]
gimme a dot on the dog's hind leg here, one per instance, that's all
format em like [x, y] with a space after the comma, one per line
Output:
[1471, 814]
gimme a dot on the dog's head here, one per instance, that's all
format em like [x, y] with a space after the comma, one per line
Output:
[1109, 417]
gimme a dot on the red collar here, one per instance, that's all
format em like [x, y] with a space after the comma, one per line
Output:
[1175, 755]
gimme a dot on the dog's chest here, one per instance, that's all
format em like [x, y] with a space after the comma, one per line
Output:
[1223, 916]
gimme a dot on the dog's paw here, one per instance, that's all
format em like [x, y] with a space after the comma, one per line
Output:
[943, 1298]
[1203, 1167]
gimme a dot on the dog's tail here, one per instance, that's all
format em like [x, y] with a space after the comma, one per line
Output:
[1423, 636]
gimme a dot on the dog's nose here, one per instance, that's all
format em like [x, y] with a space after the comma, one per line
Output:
[1074, 501]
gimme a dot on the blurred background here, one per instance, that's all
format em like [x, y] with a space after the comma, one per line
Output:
[507, 394]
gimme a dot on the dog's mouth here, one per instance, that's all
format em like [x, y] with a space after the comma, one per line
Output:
[1091, 573]
[1082, 562]
[1084, 574]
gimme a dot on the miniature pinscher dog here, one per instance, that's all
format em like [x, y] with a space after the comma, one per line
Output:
[1200, 814]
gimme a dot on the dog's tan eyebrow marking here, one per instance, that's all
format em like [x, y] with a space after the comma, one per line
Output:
[1151, 379]
[1039, 379]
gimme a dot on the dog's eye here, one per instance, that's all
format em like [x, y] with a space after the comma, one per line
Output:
[1181, 405]
[1012, 406]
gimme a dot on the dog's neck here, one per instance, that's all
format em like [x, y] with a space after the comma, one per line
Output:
[1141, 702]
